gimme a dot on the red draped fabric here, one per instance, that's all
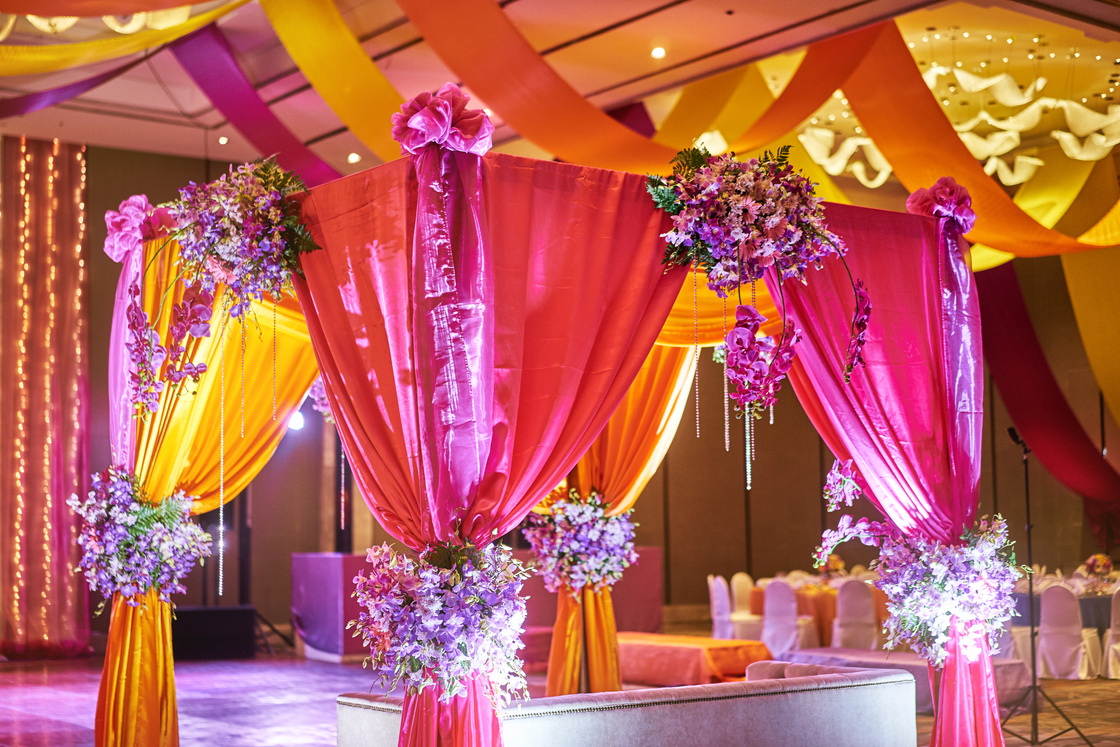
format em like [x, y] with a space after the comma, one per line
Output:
[1037, 406]
[476, 322]
[911, 418]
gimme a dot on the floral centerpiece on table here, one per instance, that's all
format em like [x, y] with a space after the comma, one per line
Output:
[130, 545]
[240, 233]
[444, 618]
[931, 586]
[577, 545]
[833, 567]
[1098, 565]
[733, 220]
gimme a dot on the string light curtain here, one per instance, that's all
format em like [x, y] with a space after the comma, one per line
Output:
[44, 410]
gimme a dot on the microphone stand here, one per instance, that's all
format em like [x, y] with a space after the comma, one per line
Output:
[1035, 690]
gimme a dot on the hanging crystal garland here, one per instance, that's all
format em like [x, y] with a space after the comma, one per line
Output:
[274, 358]
[696, 351]
[222, 465]
[748, 445]
[726, 398]
[342, 491]
[243, 376]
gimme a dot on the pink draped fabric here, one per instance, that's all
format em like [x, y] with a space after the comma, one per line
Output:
[44, 418]
[476, 321]
[912, 417]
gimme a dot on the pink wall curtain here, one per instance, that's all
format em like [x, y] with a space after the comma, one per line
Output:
[912, 418]
[44, 405]
[1037, 406]
[476, 322]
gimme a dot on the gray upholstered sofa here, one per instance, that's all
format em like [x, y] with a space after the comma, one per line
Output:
[780, 705]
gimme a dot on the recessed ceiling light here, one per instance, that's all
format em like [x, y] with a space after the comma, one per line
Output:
[965, 35]
[353, 158]
[859, 130]
[657, 53]
[223, 140]
[911, 45]
[988, 37]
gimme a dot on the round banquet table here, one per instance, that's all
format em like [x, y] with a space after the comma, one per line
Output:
[1096, 611]
[819, 602]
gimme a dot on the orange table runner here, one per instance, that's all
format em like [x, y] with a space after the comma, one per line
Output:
[670, 660]
[820, 603]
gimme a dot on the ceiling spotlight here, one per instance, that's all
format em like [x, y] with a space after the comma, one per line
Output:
[223, 140]
[1005, 59]
[1084, 101]
[945, 102]
[814, 120]
[859, 130]
[988, 37]
[353, 158]
[295, 422]
[1051, 55]
[1030, 55]
[1098, 58]
[845, 114]
[844, 102]
[657, 53]
[937, 36]
[831, 117]
[911, 45]
[960, 64]
[925, 38]
[1010, 39]
[965, 35]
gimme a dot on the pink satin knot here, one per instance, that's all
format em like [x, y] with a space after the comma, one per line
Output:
[946, 199]
[135, 221]
[442, 118]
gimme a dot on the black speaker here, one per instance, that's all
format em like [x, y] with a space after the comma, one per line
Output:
[213, 632]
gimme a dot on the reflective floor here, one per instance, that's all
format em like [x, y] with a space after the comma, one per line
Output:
[285, 701]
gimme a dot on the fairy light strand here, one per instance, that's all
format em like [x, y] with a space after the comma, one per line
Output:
[696, 352]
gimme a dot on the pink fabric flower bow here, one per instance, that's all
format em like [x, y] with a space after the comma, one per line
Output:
[442, 118]
[946, 199]
[135, 221]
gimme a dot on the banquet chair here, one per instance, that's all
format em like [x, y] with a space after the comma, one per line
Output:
[1065, 649]
[782, 629]
[741, 586]
[725, 623]
[855, 625]
[1111, 664]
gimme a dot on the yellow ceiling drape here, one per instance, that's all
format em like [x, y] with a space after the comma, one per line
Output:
[322, 45]
[47, 58]
[180, 445]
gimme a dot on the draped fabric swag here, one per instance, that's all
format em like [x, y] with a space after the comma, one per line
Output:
[619, 464]
[179, 447]
[912, 417]
[522, 320]
[44, 412]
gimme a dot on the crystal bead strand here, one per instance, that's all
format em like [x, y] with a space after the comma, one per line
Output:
[222, 470]
[274, 359]
[696, 352]
[748, 443]
[726, 399]
[342, 492]
[243, 377]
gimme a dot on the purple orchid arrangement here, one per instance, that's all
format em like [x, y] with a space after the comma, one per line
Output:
[931, 587]
[1098, 565]
[240, 232]
[451, 615]
[130, 545]
[577, 545]
[319, 401]
[734, 220]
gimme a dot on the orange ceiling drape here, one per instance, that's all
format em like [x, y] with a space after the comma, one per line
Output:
[898, 111]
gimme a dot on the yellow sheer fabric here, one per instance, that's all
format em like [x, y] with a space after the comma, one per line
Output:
[47, 58]
[619, 464]
[180, 447]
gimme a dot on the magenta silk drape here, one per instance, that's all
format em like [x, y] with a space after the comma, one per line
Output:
[912, 417]
[476, 321]
[44, 408]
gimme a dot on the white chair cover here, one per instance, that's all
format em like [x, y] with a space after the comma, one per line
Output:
[719, 599]
[1066, 650]
[741, 585]
[855, 625]
[782, 629]
[1112, 641]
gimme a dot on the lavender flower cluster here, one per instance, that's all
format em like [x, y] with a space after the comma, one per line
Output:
[237, 230]
[1098, 565]
[733, 220]
[757, 365]
[452, 615]
[319, 401]
[577, 545]
[130, 545]
[930, 586]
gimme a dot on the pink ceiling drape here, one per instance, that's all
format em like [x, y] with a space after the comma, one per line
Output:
[912, 417]
[476, 321]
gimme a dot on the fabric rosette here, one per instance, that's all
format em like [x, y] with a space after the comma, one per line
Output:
[442, 119]
[576, 545]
